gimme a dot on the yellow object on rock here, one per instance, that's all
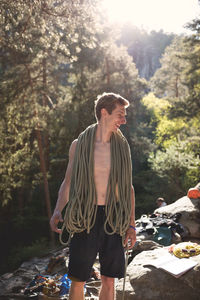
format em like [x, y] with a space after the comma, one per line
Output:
[186, 249]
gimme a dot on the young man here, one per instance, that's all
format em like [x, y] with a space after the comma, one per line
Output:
[100, 199]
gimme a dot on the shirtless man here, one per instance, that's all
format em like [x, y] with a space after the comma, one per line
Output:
[109, 118]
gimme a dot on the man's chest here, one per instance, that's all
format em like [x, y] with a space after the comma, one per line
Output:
[102, 158]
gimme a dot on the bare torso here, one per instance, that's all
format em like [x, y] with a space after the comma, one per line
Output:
[101, 170]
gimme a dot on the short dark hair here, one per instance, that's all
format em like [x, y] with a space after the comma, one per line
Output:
[108, 101]
[160, 199]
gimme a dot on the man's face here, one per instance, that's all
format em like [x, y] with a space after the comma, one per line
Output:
[159, 203]
[117, 118]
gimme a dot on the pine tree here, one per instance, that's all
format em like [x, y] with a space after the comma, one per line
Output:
[169, 80]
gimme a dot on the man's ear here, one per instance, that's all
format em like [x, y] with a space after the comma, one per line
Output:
[104, 112]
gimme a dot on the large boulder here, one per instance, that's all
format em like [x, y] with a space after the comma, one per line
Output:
[145, 282]
[190, 214]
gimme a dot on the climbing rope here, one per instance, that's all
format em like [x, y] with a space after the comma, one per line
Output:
[81, 209]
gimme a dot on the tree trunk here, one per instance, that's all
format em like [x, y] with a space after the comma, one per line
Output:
[42, 157]
[176, 87]
[45, 103]
[46, 185]
[20, 196]
[44, 152]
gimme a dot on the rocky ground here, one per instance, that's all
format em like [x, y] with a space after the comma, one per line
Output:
[13, 285]
[143, 281]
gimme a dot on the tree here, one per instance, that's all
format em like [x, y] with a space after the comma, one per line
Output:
[37, 37]
[145, 47]
[169, 80]
[167, 131]
[178, 165]
[175, 157]
[191, 105]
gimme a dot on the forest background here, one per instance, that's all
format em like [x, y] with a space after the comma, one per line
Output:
[56, 56]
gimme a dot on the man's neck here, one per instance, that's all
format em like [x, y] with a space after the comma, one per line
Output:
[102, 134]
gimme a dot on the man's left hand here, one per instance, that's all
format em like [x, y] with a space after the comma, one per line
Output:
[130, 238]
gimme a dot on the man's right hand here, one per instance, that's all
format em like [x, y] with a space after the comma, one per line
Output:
[55, 219]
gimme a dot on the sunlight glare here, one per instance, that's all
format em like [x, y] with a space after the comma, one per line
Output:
[168, 15]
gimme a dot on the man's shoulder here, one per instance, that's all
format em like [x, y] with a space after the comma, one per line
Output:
[73, 144]
[73, 147]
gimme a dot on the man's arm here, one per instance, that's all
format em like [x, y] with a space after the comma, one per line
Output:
[63, 194]
[130, 238]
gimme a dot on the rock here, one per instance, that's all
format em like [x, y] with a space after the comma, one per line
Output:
[146, 245]
[149, 283]
[142, 246]
[190, 214]
[12, 285]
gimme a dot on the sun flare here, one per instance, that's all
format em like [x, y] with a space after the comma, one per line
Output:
[169, 15]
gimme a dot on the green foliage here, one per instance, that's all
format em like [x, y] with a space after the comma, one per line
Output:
[177, 130]
[169, 80]
[191, 106]
[149, 186]
[20, 254]
[157, 105]
[176, 153]
[177, 164]
[17, 149]
[168, 130]
[39, 42]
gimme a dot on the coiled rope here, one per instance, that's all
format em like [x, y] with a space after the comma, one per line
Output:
[81, 209]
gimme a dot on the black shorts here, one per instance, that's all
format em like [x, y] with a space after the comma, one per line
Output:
[84, 248]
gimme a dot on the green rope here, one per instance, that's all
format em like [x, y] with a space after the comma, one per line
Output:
[81, 208]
